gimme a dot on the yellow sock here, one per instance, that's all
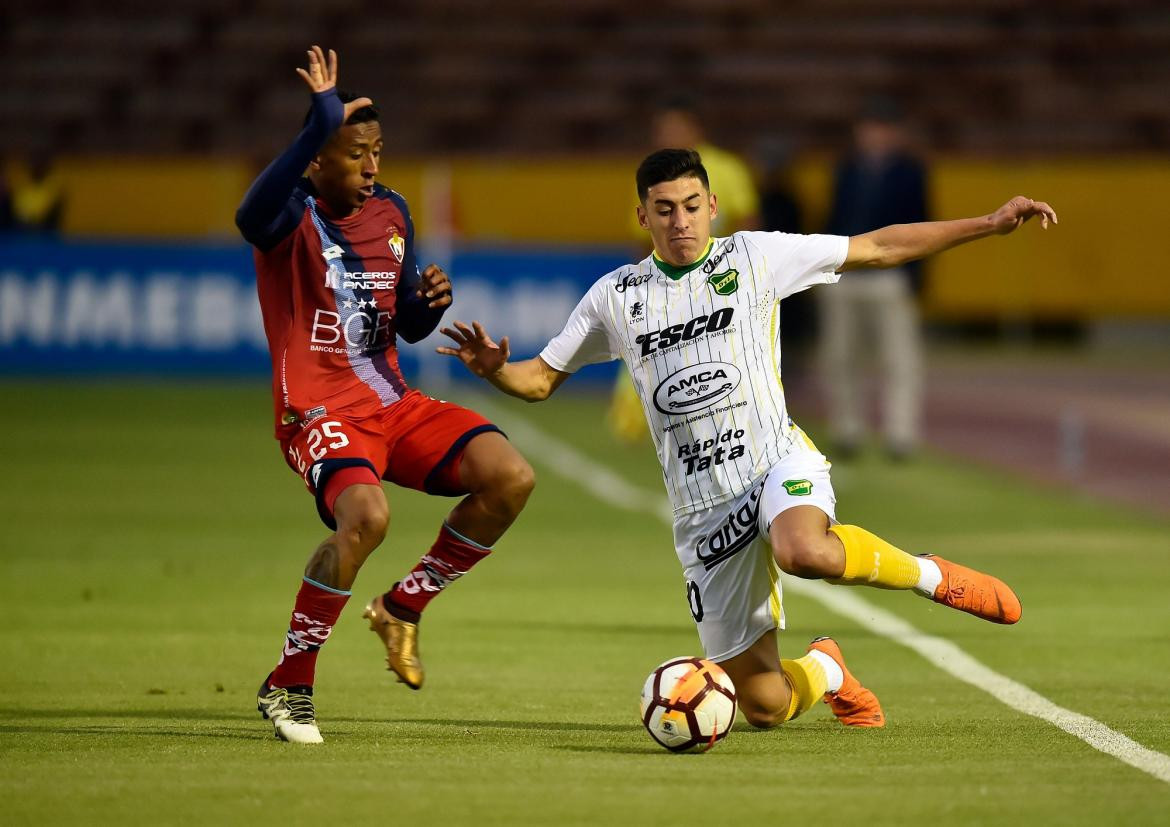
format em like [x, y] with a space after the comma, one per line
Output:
[807, 680]
[871, 561]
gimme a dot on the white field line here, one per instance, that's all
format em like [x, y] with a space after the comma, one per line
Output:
[614, 490]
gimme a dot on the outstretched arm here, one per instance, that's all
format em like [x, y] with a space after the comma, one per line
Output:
[532, 380]
[899, 243]
[263, 217]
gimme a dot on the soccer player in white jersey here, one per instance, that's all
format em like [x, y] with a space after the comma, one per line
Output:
[696, 323]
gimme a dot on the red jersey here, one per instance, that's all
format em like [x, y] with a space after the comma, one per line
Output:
[335, 293]
[329, 296]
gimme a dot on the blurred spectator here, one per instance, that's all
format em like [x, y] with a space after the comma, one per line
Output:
[38, 199]
[875, 311]
[676, 125]
[780, 212]
[7, 222]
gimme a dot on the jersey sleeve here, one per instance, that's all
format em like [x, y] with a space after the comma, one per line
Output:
[586, 339]
[416, 319]
[797, 262]
[269, 212]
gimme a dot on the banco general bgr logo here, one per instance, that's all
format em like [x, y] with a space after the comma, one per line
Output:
[696, 387]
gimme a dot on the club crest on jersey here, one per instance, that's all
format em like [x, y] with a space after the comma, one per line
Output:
[797, 488]
[724, 283]
[397, 245]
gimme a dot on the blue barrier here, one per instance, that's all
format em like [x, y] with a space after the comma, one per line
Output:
[124, 309]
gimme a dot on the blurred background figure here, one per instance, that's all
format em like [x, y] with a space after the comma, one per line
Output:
[875, 312]
[36, 197]
[781, 212]
[676, 125]
[7, 224]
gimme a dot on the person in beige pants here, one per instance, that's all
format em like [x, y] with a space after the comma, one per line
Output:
[871, 319]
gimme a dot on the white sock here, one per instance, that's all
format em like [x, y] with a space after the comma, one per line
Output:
[929, 576]
[832, 671]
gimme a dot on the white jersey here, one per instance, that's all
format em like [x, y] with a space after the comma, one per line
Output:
[702, 344]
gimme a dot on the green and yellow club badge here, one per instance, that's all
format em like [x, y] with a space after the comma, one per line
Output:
[725, 283]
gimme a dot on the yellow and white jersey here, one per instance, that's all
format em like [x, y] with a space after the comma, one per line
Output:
[702, 344]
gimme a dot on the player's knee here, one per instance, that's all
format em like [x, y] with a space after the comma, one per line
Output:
[513, 483]
[801, 553]
[364, 524]
[762, 717]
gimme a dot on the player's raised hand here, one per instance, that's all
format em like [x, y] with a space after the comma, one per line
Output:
[1015, 212]
[435, 286]
[476, 350]
[322, 76]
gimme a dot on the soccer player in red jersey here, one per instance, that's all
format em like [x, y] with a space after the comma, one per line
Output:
[338, 285]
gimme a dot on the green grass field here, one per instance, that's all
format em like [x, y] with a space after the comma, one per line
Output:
[154, 539]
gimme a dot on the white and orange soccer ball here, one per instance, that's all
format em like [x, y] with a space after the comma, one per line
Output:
[688, 704]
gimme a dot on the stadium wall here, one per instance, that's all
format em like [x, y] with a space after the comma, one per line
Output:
[1110, 209]
[69, 308]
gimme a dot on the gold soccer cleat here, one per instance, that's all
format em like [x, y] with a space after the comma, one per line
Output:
[401, 641]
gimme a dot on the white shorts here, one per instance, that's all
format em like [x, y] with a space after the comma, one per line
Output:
[733, 584]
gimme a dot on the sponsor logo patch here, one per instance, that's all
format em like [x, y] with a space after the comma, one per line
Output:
[710, 264]
[684, 332]
[626, 282]
[696, 387]
[735, 533]
[724, 283]
[797, 488]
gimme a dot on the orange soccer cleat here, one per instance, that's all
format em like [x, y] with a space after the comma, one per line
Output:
[853, 704]
[975, 593]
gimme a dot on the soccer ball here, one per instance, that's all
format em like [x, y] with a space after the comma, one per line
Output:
[688, 704]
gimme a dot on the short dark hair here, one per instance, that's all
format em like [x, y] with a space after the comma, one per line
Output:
[669, 165]
[363, 115]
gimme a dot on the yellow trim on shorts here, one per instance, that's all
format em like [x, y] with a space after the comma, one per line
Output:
[774, 601]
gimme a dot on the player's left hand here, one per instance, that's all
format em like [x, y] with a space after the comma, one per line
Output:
[1015, 212]
[435, 286]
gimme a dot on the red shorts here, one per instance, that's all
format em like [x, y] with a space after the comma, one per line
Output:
[416, 443]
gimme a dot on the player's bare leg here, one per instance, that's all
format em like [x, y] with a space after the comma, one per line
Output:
[771, 690]
[499, 481]
[286, 695]
[363, 516]
[806, 545]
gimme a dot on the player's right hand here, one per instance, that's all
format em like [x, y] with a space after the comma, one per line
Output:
[322, 77]
[476, 350]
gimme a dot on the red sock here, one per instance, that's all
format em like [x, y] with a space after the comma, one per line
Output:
[451, 557]
[316, 610]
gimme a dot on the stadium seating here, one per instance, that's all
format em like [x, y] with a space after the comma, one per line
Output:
[513, 76]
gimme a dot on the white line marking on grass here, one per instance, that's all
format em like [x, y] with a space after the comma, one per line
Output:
[614, 490]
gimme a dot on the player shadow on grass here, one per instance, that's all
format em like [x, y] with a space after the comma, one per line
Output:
[550, 726]
[19, 722]
[608, 629]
